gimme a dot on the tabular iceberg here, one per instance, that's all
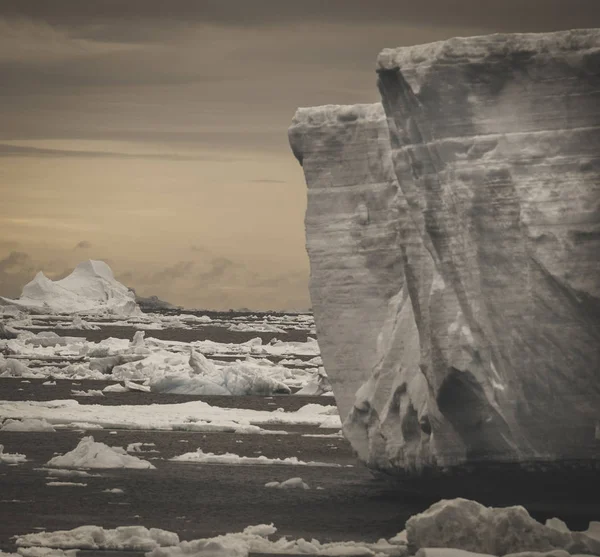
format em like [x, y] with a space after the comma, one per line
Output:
[453, 233]
[91, 289]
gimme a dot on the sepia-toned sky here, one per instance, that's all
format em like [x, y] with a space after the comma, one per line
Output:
[152, 134]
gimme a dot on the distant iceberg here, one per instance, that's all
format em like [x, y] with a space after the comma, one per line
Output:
[91, 289]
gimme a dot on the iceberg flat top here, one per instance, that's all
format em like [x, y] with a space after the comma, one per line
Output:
[332, 113]
[486, 47]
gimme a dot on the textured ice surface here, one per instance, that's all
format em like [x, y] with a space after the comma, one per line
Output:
[124, 538]
[465, 524]
[453, 233]
[186, 416]
[91, 288]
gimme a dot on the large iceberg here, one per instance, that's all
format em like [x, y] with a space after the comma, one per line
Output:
[91, 289]
[453, 233]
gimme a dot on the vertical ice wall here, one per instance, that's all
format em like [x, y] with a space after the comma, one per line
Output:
[468, 329]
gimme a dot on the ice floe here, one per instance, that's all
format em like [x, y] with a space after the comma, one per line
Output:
[26, 424]
[123, 538]
[292, 483]
[91, 454]
[11, 458]
[160, 543]
[185, 416]
[199, 456]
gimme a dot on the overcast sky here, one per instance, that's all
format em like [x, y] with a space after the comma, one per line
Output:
[152, 134]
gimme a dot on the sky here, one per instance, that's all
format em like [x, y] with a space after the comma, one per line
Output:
[152, 134]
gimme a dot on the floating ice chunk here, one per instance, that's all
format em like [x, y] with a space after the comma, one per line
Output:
[115, 490]
[79, 323]
[11, 458]
[131, 386]
[63, 484]
[292, 483]
[256, 328]
[13, 368]
[116, 388]
[64, 473]
[49, 383]
[91, 392]
[90, 454]
[26, 424]
[229, 458]
[255, 539]
[137, 447]
[468, 525]
[123, 538]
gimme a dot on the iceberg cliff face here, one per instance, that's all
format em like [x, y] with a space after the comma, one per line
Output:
[454, 234]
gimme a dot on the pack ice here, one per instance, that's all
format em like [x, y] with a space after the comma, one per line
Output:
[91, 289]
[453, 233]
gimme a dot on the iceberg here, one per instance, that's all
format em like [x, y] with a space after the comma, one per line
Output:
[453, 232]
[90, 289]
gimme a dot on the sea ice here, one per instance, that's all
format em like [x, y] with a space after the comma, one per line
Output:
[27, 424]
[91, 454]
[292, 483]
[11, 458]
[468, 525]
[123, 538]
[201, 457]
[70, 413]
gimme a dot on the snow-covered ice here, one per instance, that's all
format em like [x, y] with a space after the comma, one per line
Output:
[201, 457]
[183, 416]
[91, 454]
[27, 424]
[90, 392]
[160, 543]
[65, 484]
[166, 366]
[123, 538]
[468, 525]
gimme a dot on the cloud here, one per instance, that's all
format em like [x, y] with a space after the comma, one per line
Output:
[7, 150]
[84, 244]
[267, 181]
[171, 273]
[241, 13]
[16, 270]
